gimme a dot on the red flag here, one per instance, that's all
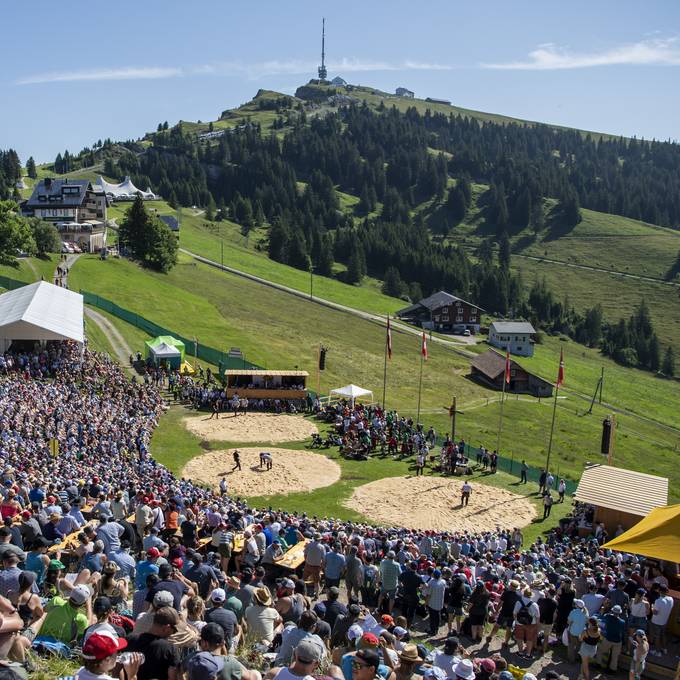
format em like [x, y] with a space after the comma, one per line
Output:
[560, 372]
[507, 367]
[388, 339]
[423, 349]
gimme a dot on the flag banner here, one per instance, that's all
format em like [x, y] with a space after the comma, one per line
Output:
[423, 349]
[507, 367]
[388, 339]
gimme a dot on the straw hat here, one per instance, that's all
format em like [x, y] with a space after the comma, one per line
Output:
[409, 653]
[263, 597]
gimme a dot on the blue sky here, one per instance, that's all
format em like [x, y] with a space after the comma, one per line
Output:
[73, 73]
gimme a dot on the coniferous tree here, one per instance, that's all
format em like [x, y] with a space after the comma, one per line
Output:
[668, 367]
[30, 168]
[356, 267]
[392, 285]
[504, 251]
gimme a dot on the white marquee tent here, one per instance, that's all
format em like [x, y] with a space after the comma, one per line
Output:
[125, 190]
[351, 392]
[40, 311]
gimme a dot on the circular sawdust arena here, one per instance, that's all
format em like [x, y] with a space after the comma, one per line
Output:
[292, 471]
[434, 503]
[253, 427]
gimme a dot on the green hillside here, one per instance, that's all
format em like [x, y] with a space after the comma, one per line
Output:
[277, 330]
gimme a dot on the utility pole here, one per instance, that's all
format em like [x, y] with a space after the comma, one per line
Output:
[311, 281]
[222, 252]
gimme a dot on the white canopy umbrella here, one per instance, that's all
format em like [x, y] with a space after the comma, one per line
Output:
[351, 392]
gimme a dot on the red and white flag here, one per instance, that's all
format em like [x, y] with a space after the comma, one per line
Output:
[423, 349]
[388, 338]
[560, 372]
[507, 367]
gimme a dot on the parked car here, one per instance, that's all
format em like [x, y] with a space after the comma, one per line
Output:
[66, 248]
[467, 333]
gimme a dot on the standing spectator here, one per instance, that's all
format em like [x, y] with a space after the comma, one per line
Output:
[612, 639]
[577, 621]
[640, 609]
[661, 612]
[479, 610]
[640, 652]
[334, 566]
[547, 606]
[505, 616]
[314, 558]
[590, 639]
[389, 573]
[435, 590]
[524, 473]
[526, 614]
[547, 505]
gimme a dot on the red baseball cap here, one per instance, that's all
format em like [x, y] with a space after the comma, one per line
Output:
[178, 562]
[26, 514]
[153, 552]
[386, 619]
[370, 639]
[102, 645]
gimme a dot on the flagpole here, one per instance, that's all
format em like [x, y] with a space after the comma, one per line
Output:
[560, 380]
[500, 419]
[387, 340]
[420, 387]
[552, 427]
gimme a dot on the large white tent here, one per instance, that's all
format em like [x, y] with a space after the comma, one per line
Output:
[126, 190]
[351, 392]
[40, 311]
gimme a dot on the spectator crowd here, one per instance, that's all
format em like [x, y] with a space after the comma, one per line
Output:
[110, 559]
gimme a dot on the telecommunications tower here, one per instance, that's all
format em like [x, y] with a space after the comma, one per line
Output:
[322, 69]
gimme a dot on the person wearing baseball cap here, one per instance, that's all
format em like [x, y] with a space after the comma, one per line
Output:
[292, 636]
[100, 652]
[162, 655]
[613, 635]
[222, 616]
[66, 620]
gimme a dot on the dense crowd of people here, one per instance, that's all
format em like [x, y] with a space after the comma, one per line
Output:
[109, 558]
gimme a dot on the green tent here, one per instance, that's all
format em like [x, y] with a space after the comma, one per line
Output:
[166, 348]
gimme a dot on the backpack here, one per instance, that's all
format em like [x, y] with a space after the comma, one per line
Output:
[524, 616]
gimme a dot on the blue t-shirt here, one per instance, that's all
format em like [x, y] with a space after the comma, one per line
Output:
[334, 565]
[614, 628]
[144, 568]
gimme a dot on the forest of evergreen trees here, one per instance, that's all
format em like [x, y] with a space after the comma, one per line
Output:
[394, 162]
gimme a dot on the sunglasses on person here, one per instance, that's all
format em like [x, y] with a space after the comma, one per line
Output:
[357, 665]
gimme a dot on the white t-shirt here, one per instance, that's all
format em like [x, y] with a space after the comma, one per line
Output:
[84, 674]
[663, 606]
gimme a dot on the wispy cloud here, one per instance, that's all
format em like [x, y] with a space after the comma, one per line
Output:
[254, 70]
[250, 70]
[125, 73]
[549, 57]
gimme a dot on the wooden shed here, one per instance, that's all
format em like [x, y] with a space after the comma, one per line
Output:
[621, 496]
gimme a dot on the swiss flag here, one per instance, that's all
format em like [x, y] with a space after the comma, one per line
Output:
[507, 367]
[560, 372]
[423, 349]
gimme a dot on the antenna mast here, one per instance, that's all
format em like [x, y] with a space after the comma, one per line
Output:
[322, 69]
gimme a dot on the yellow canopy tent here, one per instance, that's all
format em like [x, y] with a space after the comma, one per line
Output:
[657, 535]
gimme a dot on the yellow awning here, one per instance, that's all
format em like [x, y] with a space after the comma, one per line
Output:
[657, 535]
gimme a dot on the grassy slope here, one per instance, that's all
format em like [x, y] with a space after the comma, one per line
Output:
[278, 331]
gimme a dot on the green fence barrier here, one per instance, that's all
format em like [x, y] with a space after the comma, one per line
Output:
[11, 284]
[192, 347]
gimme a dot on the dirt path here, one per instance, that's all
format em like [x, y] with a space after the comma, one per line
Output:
[118, 342]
